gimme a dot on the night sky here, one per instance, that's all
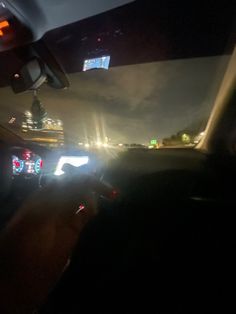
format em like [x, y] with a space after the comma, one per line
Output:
[129, 104]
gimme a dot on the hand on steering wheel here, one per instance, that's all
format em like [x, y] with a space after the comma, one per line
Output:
[38, 242]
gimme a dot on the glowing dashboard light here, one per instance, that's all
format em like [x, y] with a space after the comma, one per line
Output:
[38, 166]
[76, 161]
[17, 165]
[81, 208]
[26, 155]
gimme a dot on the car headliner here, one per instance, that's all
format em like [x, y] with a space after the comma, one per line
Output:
[43, 15]
[138, 33]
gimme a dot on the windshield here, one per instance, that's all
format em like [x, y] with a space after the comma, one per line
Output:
[117, 156]
[156, 104]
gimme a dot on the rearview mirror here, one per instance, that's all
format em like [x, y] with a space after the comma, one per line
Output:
[31, 76]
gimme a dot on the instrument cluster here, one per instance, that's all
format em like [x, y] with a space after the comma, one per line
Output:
[25, 162]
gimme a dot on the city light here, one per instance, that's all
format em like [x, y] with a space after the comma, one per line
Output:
[12, 120]
[28, 114]
[185, 138]
[99, 144]
[153, 142]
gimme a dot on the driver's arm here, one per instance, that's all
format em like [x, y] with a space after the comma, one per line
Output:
[36, 245]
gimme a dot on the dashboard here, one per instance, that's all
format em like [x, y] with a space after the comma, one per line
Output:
[25, 162]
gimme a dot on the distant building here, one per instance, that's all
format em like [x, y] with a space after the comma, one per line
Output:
[47, 132]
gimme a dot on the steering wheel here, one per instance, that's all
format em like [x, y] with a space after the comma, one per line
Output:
[5, 171]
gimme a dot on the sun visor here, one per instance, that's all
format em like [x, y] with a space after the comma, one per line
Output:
[40, 16]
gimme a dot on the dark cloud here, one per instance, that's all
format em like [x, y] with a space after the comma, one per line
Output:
[131, 103]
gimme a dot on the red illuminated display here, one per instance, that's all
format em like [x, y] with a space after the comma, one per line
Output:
[16, 163]
[26, 155]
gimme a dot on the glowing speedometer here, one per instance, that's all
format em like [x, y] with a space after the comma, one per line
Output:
[17, 165]
[38, 165]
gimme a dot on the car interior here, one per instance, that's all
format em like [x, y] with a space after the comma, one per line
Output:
[165, 243]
